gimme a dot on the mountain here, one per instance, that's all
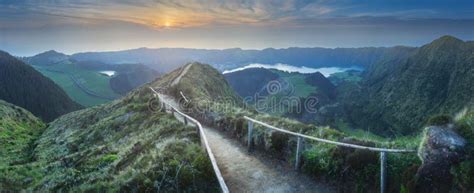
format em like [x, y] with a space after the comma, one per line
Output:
[85, 81]
[398, 96]
[282, 93]
[204, 87]
[250, 81]
[22, 85]
[46, 58]
[199, 82]
[120, 146]
[168, 59]
[131, 76]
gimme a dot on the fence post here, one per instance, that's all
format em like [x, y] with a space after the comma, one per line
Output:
[249, 140]
[299, 149]
[185, 120]
[383, 171]
[163, 107]
[198, 131]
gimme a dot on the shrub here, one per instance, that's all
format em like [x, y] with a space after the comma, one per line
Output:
[440, 120]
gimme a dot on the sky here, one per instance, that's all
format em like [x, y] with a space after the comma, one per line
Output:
[28, 27]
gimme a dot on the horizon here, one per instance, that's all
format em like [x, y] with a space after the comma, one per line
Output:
[221, 49]
[28, 27]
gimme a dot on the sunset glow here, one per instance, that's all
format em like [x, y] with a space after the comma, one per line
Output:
[255, 24]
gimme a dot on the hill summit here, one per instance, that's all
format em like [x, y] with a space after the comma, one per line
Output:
[47, 58]
[200, 82]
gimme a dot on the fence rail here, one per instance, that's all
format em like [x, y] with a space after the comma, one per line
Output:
[202, 136]
[299, 147]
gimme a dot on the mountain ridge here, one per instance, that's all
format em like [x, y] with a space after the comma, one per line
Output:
[436, 79]
[22, 85]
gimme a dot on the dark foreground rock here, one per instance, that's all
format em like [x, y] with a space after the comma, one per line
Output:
[440, 149]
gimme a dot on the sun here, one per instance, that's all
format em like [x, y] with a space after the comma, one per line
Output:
[167, 24]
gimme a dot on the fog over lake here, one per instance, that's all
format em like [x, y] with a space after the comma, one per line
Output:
[108, 72]
[326, 71]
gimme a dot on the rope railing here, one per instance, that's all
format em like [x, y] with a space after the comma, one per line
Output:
[202, 136]
[299, 147]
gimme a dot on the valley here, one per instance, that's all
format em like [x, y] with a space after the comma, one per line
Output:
[121, 141]
[226, 96]
[85, 82]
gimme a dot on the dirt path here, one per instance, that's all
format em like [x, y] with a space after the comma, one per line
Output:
[251, 172]
[185, 70]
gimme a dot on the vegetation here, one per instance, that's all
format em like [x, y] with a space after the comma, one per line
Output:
[440, 120]
[122, 146]
[74, 92]
[347, 76]
[83, 81]
[464, 172]
[355, 169]
[66, 73]
[397, 96]
[23, 86]
[18, 131]
[281, 93]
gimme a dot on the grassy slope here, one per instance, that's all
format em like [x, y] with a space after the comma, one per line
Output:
[353, 168]
[22, 85]
[90, 79]
[301, 88]
[72, 90]
[464, 172]
[437, 78]
[18, 130]
[347, 76]
[119, 146]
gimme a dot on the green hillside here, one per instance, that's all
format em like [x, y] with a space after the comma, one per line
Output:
[350, 169]
[22, 85]
[121, 146]
[18, 131]
[62, 73]
[84, 81]
[281, 93]
[399, 96]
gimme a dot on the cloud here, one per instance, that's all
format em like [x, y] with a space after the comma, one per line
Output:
[84, 25]
[172, 13]
[169, 14]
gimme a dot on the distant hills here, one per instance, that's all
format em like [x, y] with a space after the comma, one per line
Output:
[46, 58]
[167, 59]
[396, 94]
[22, 85]
[83, 80]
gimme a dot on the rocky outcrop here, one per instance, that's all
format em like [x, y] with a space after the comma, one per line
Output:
[440, 149]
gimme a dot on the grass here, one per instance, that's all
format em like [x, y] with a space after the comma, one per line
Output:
[18, 131]
[121, 146]
[297, 80]
[92, 80]
[346, 76]
[353, 170]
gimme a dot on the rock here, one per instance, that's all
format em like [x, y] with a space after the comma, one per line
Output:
[440, 149]
[441, 143]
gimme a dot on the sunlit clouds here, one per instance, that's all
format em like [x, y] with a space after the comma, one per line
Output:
[31, 26]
